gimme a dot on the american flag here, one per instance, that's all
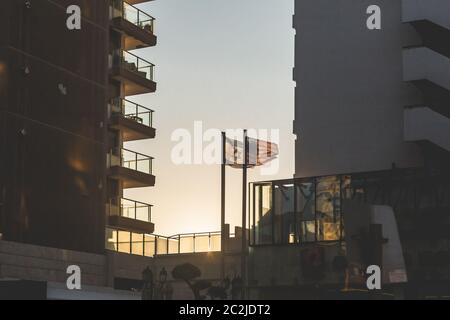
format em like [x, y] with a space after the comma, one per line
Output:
[259, 153]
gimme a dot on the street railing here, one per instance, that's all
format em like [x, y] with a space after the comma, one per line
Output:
[154, 245]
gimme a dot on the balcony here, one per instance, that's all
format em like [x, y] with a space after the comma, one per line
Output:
[423, 124]
[430, 19]
[423, 64]
[136, 74]
[137, 26]
[133, 169]
[130, 215]
[435, 11]
[133, 120]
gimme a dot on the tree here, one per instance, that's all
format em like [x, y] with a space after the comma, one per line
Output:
[188, 273]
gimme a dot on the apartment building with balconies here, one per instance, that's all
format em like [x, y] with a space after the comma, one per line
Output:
[66, 114]
[130, 74]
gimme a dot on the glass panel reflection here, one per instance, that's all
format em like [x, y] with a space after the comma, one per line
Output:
[137, 244]
[202, 243]
[161, 245]
[187, 244]
[149, 246]
[124, 241]
[215, 242]
[111, 239]
[173, 246]
[297, 211]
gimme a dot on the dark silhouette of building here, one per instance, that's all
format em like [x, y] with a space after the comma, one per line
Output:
[64, 118]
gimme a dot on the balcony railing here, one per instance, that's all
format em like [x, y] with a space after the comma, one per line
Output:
[138, 17]
[131, 160]
[132, 62]
[133, 15]
[130, 209]
[152, 245]
[133, 111]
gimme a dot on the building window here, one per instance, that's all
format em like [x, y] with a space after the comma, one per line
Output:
[296, 211]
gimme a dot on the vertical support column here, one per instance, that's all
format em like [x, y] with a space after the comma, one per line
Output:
[222, 208]
[244, 213]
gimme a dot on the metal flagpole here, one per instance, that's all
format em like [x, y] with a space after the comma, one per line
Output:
[244, 211]
[222, 209]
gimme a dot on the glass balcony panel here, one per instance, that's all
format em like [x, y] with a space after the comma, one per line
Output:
[137, 65]
[138, 17]
[137, 244]
[173, 246]
[143, 212]
[149, 245]
[143, 164]
[145, 117]
[124, 242]
[215, 244]
[161, 245]
[136, 112]
[202, 243]
[134, 161]
[187, 244]
[128, 209]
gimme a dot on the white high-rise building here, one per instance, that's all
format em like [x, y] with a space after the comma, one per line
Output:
[373, 78]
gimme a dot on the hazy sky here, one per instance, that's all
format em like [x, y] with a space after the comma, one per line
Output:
[228, 64]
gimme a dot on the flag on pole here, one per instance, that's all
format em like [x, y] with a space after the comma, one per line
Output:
[259, 153]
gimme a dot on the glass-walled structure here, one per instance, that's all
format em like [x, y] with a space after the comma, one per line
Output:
[298, 211]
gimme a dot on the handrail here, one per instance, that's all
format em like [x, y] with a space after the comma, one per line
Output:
[131, 209]
[134, 63]
[138, 17]
[195, 234]
[154, 245]
[132, 160]
[133, 15]
[134, 111]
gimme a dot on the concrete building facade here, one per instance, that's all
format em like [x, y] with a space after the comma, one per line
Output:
[351, 93]
[372, 153]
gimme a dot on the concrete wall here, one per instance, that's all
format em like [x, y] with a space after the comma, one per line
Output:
[28, 262]
[350, 91]
[281, 266]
